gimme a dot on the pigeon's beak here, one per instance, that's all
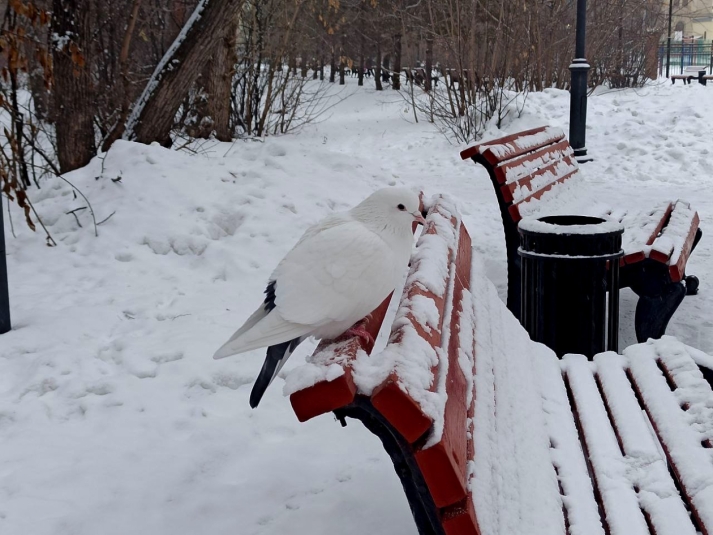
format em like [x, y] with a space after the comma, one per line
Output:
[418, 218]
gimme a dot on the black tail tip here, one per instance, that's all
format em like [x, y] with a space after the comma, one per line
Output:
[255, 397]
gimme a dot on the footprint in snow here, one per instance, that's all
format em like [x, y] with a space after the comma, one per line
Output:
[276, 150]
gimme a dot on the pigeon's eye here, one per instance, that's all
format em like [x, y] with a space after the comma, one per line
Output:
[401, 207]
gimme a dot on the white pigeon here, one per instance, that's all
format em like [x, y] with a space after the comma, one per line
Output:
[339, 271]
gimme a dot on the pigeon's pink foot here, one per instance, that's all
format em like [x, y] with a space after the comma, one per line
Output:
[361, 332]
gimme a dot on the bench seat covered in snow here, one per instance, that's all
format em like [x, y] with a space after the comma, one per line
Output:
[491, 434]
[534, 173]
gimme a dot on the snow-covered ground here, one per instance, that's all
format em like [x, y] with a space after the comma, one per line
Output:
[114, 419]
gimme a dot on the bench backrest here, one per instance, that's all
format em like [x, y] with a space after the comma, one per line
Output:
[523, 167]
[694, 69]
[526, 165]
[420, 419]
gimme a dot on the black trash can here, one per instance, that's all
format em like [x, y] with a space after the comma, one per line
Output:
[568, 264]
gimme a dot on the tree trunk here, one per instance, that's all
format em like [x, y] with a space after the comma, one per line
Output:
[429, 64]
[72, 80]
[153, 114]
[341, 61]
[220, 81]
[377, 68]
[118, 129]
[303, 65]
[361, 60]
[333, 66]
[396, 77]
[315, 66]
[41, 98]
[321, 68]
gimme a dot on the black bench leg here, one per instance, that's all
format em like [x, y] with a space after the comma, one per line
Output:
[691, 280]
[654, 313]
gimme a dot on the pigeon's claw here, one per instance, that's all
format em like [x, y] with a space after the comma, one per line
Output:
[361, 332]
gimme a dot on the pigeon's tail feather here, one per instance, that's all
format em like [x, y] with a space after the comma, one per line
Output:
[276, 357]
[269, 330]
[256, 316]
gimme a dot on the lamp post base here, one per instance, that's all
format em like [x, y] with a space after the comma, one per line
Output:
[578, 108]
[581, 155]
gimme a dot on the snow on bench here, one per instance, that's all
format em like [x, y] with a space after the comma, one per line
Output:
[418, 394]
[534, 173]
[491, 434]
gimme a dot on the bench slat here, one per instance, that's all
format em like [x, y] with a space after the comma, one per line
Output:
[621, 505]
[444, 464]
[515, 209]
[517, 144]
[669, 383]
[551, 172]
[579, 503]
[326, 396]
[514, 169]
[390, 398]
[642, 230]
[476, 149]
[522, 144]
[674, 245]
[658, 496]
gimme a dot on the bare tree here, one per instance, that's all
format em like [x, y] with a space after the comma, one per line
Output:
[153, 114]
[74, 118]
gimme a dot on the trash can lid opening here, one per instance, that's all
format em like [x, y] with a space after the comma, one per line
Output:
[567, 220]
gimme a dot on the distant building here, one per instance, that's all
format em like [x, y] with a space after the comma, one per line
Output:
[692, 18]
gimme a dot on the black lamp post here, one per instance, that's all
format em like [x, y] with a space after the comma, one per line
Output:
[578, 92]
[4, 293]
[668, 41]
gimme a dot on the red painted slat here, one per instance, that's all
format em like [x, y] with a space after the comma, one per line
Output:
[515, 210]
[444, 465]
[546, 153]
[509, 189]
[493, 159]
[475, 149]
[661, 256]
[326, 396]
[660, 225]
[678, 270]
[400, 410]
[389, 399]
[460, 519]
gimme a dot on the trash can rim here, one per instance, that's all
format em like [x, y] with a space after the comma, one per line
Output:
[602, 226]
[559, 256]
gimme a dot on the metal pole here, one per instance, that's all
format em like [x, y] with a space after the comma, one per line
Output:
[668, 41]
[4, 293]
[578, 92]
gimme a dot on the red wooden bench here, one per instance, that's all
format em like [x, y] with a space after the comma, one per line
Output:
[530, 170]
[490, 433]
[432, 468]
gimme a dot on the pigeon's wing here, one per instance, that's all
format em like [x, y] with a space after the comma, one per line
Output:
[272, 329]
[340, 273]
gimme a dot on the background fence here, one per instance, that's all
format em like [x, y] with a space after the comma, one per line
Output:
[685, 54]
